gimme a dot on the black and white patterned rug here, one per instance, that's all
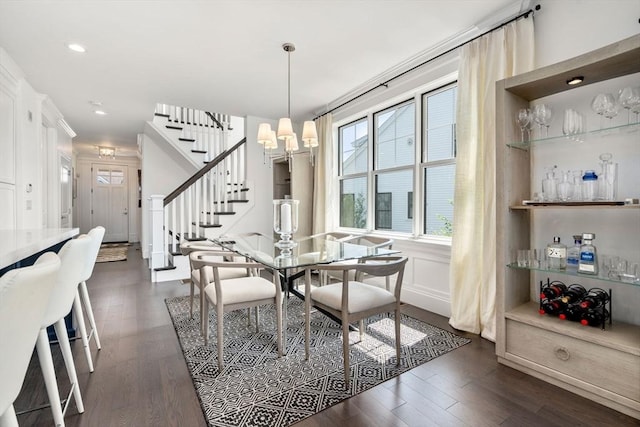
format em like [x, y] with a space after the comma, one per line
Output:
[256, 388]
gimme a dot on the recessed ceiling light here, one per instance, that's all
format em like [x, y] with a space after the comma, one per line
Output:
[100, 112]
[76, 47]
[575, 80]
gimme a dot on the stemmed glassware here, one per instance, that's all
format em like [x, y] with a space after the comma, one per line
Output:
[542, 115]
[523, 119]
[629, 99]
[603, 104]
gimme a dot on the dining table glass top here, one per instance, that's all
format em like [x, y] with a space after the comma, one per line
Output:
[308, 250]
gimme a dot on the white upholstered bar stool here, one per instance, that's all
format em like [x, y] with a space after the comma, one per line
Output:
[65, 292]
[96, 234]
[24, 295]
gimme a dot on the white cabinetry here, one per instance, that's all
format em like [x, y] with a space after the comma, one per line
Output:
[602, 365]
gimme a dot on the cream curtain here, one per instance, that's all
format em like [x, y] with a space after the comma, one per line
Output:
[502, 53]
[323, 173]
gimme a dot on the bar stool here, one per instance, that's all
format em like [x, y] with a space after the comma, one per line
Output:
[24, 297]
[65, 292]
[96, 234]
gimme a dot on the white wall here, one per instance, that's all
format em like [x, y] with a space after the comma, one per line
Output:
[29, 170]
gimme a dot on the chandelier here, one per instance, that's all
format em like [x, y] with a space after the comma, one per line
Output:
[107, 152]
[269, 138]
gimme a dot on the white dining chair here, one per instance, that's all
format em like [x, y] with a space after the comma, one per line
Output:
[353, 301]
[368, 240]
[24, 295]
[195, 281]
[235, 294]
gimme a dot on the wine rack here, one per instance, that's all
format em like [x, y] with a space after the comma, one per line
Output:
[591, 307]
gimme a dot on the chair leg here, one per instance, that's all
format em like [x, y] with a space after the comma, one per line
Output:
[248, 317]
[204, 314]
[205, 321]
[361, 327]
[279, 327]
[191, 293]
[345, 352]
[398, 340]
[77, 311]
[9, 419]
[63, 339]
[220, 323]
[87, 305]
[257, 319]
[49, 374]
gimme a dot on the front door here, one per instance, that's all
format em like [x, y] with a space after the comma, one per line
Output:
[109, 201]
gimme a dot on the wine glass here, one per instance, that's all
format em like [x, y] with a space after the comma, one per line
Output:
[601, 104]
[542, 115]
[628, 98]
[523, 119]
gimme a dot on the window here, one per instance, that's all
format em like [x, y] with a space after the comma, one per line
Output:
[384, 214]
[439, 151]
[394, 163]
[353, 152]
[408, 169]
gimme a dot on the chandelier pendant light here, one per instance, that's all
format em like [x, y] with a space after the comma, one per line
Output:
[269, 138]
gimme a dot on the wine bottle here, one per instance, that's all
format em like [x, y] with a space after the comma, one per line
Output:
[595, 298]
[552, 306]
[574, 293]
[553, 290]
[596, 317]
[572, 312]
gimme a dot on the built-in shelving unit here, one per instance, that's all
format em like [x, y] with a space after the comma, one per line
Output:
[602, 365]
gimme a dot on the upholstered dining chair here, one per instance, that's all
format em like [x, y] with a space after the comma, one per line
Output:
[24, 295]
[65, 292]
[195, 281]
[353, 301]
[235, 294]
[363, 240]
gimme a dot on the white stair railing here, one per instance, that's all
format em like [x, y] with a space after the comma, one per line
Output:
[198, 202]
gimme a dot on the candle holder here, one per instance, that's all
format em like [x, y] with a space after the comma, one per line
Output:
[285, 223]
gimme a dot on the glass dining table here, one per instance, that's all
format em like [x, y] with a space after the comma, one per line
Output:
[310, 250]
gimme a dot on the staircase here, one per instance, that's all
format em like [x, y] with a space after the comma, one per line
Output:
[209, 202]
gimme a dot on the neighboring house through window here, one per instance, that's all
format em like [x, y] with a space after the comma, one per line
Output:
[387, 169]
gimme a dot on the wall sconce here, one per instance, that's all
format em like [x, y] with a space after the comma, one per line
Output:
[107, 152]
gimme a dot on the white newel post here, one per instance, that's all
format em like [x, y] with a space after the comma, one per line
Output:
[156, 251]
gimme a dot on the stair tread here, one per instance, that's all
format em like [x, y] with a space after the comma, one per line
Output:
[174, 127]
[199, 151]
[194, 238]
[161, 115]
[187, 139]
[168, 267]
[203, 225]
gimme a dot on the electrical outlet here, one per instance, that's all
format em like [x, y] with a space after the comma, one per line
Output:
[29, 204]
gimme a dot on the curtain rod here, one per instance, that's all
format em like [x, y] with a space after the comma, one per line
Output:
[386, 82]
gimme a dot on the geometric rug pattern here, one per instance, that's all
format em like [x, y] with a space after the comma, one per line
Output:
[256, 388]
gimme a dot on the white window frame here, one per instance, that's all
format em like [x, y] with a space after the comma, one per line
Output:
[441, 83]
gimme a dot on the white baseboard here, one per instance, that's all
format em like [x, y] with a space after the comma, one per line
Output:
[434, 302]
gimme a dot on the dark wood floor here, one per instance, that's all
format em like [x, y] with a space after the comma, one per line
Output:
[141, 378]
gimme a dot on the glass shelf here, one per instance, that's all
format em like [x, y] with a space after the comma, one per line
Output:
[574, 273]
[578, 137]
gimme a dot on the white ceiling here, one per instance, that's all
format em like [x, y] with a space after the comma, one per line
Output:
[217, 55]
